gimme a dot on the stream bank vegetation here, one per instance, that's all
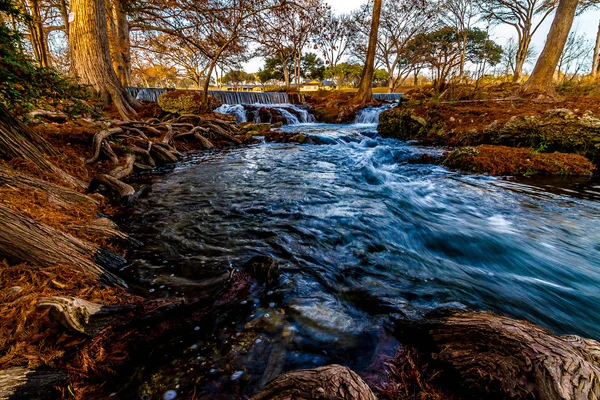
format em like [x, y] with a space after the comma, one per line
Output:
[70, 325]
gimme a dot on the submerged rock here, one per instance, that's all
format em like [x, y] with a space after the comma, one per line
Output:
[251, 127]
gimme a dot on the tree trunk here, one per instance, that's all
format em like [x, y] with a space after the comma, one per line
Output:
[38, 38]
[286, 75]
[90, 52]
[40, 384]
[330, 382]
[520, 57]
[365, 92]
[119, 43]
[18, 141]
[498, 357]
[596, 61]
[25, 240]
[540, 81]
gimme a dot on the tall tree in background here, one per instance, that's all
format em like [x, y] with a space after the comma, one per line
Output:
[540, 80]
[460, 15]
[37, 36]
[90, 52]
[525, 16]
[596, 59]
[365, 91]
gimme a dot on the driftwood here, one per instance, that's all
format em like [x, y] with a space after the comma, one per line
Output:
[333, 382]
[22, 383]
[80, 315]
[122, 192]
[499, 357]
[25, 240]
[56, 194]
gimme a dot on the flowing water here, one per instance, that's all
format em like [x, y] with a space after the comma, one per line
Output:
[361, 233]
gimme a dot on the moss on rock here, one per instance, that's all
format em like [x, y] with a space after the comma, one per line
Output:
[186, 102]
[502, 160]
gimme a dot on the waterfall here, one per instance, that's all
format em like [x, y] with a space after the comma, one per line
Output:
[236, 109]
[388, 96]
[370, 115]
[225, 97]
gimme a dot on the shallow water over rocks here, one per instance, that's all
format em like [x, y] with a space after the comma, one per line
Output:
[360, 234]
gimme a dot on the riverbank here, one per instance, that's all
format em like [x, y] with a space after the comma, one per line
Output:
[563, 135]
[175, 329]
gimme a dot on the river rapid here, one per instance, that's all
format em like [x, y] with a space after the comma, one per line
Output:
[361, 234]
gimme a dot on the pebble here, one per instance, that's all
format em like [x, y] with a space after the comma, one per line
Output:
[151, 290]
[270, 292]
[237, 375]
[271, 305]
[267, 315]
[258, 341]
[244, 302]
[169, 395]
[197, 328]
[194, 346]
[212, 370]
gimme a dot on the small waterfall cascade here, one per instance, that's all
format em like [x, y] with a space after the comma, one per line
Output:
[288, 114]
[370, 115]
[388, 96]
[236, 109]
[225, 97]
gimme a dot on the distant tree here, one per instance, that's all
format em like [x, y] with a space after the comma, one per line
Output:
[509, 56]
[237, 77]
[441, 52]
[345, 74]
[313, 67]
[460, 14]
[525, 16]
[575, 57]
[334, 38]
[596, 56]
[381, 77]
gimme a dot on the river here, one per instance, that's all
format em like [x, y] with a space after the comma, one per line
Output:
[361, 234]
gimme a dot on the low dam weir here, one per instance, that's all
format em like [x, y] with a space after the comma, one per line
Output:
[226, 97]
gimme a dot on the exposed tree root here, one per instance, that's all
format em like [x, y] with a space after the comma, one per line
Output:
[121, 191]
[25, 240]
[499, 357]
[23, 383]
[330, 382]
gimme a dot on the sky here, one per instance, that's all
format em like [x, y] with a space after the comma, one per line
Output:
[586, 23]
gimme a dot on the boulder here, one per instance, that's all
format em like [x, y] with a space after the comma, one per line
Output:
[186, 102]
[249, 127]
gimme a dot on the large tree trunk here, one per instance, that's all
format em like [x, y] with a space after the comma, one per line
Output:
[120, 45]
[540, 81]
[90, 53]
[596, 60]
[40, 384]
[365, 92]
[330, 382]
[18, 141]
[499, 357]
[25, 240]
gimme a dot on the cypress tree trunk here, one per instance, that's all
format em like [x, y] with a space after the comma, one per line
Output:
[120, 45]
[365, 92]
[540, 81]
[37, 36]
[18, 141]
[90, 54]
[596, 61]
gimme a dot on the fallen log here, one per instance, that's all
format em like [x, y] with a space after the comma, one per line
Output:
[39, 384]
[334, 382]
[121, 192]
[80, 315]
[57, 194]
[25, 240]
[499, 357]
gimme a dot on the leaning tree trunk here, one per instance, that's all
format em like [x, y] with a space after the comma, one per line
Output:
[18, 141]
[365, 92]
[499, 357]
[90, 54]
[118, 35]
[596, 60]
[540, 81]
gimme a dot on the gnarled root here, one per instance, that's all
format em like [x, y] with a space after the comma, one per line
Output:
[330, 382]
[122, 192]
